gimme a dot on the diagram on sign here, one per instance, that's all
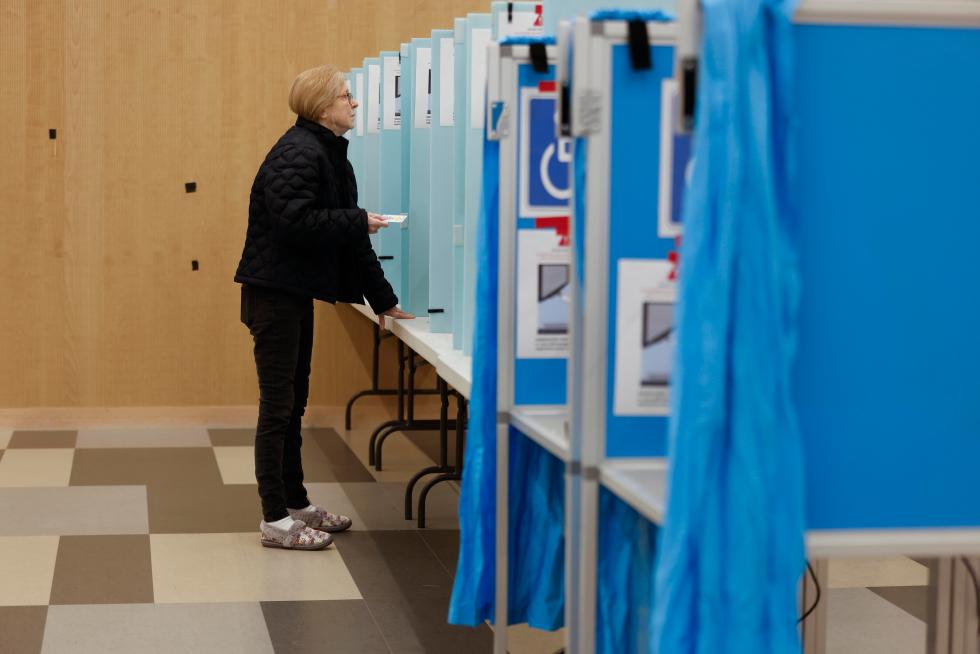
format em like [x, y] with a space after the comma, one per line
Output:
[423, 88]
[645, 337]
[676, 163]
[543, 274]
[545, 187]
[392, 93]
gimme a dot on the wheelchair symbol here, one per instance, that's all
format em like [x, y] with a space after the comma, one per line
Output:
[564, 151]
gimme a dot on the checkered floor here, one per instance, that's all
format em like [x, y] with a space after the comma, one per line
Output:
[146, 540]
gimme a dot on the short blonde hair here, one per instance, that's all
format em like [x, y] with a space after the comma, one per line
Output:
[316, 89]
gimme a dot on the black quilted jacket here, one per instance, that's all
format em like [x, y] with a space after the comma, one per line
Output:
[306, 235]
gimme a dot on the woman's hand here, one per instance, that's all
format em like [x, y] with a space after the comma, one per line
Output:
[393, 312]
[375, 223]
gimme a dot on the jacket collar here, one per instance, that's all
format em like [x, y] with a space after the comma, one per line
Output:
[324, 134]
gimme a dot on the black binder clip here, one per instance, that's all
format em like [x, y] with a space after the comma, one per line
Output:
[539, 57]
[639, 40]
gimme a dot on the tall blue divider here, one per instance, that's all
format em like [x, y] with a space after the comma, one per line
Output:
[442, 174]
[420, 97]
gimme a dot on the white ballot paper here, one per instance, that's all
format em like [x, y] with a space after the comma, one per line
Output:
[645, 337]
[395, 217]
[423, 88]
[543, 276]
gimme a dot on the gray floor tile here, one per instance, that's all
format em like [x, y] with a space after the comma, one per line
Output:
[389, 564]
[74, 511]
[42, 439]
[188, 466]
[912, 599]
[22, 628]
[382, 505]
[420, 627]
[444, 543]
[232, 437]
[144, 437]
[183, 628]
[203, 509]
[337, 626]
[344, 464]
[861, 622]
[103, 570]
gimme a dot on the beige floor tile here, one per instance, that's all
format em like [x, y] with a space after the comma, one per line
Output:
[861, 573]
[144, 437]
[236, 463]
[860, 622]
[522, 639]
[5, 435]
[402, 458]
[161, 629]
[34, 468]
[27, 568]
[73, 510]
[235, 568]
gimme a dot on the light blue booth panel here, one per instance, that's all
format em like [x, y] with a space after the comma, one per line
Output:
[370, 196]
[355, 150]
[441, 183]
[889, 208]
[460, 73]
[405, 131]
[472, 118]
[419, 91]
[390, 169]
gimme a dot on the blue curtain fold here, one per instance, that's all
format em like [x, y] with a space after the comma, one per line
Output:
[732, 552]
[472, 600]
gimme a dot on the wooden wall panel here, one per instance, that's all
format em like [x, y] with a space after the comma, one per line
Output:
[99, 306]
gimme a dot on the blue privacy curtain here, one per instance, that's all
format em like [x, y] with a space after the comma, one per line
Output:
[732, 544]
[627, 543]
[473, 591]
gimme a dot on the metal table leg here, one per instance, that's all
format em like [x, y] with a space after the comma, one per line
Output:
[375, 384]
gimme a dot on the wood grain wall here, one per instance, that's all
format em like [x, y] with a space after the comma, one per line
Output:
[99, 305]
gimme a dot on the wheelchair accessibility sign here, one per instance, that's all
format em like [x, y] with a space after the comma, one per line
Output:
[545, 187]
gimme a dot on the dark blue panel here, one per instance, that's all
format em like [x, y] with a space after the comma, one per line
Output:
[634, 175]
[886, 380]
[536, 381]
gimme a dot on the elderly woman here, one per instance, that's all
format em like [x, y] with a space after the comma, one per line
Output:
[307, 239]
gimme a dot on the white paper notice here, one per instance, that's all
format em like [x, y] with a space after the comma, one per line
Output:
[480, 39]
[447, 75]
[392, 93]
[523, 23]
[359, 96]
[374, 99]
[543, 273]
[645, 337]
[423, 88]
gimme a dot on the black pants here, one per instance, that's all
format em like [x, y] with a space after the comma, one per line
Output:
[282, 330]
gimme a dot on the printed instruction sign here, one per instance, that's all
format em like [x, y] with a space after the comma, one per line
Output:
[543, 293]
[520, 23]
[645, 337]
[447, 77]
[423, 88]
[392, 93]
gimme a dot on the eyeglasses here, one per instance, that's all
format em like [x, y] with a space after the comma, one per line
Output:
[350, 98]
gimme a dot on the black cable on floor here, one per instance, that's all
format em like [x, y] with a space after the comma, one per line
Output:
[816, 583]
[976, 587]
